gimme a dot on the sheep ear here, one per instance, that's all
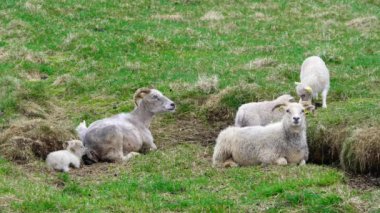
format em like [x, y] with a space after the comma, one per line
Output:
[309, 90]
[139, 94]
[292, 100]
[280, 106]
[310, 108]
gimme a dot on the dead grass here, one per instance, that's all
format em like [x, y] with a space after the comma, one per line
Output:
[170, 17]
[63, 79]
[360, 152]
[27, 140]
[260, 63]
[207, 84]
[363, 23]
[217, 110]
[325, 143]
[212, 16]
[35, 75]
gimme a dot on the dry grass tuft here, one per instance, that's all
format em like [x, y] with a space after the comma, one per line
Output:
[63, 79]
[216, 108]
[34, 75]
[325, 143]
[260, 63]
[170, 17]
[69, 39]
[363, 23]
[207, 84]
[360, 153]
[27, 140]
[212, 16]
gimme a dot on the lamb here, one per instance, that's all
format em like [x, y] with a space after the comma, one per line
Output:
[260, 113]
[120, 137]
[61, 160]
[280, 143]
[315, 78]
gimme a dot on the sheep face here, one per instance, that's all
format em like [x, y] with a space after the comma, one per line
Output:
[305, 93]
[295, 115]
[156, 102]
[76, 147]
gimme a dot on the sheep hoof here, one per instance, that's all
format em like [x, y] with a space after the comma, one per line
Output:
[302, 163]
[281, 161]
[131, 155]
[230, 163]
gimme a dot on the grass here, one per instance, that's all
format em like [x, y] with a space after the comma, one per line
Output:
[74, 60]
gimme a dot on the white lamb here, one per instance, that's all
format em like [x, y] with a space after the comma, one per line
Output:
[278, 143]
[62, 160]
[315, 78]
[260, 113]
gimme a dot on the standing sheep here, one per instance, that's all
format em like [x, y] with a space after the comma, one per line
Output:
[278, 143]
[120, 137]
[260, 113]
[62, 159]
[315, 78]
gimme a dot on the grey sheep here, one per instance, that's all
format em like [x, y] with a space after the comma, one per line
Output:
[120, 137]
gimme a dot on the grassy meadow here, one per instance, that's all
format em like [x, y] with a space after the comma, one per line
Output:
[64, 61]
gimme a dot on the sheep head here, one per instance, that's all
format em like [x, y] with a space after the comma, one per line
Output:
[76, 147]
[304, 92]
[154, 101]
[295, 114]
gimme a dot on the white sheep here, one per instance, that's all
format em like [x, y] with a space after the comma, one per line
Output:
[279, 143]
[260, 113]
[120, 137]
[315, 78]
[62, 160]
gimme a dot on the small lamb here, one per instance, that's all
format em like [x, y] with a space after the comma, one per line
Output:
[260, 113]
[315, 78]
[62, 159]
[279, 143]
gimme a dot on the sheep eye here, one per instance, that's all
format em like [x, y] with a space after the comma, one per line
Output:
[155, 96]
[303, 111]
[287, 111]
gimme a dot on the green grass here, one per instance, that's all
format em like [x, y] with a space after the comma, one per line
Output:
[95, 54]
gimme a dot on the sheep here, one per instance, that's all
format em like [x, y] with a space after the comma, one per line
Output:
[280, 143]
[260, 113]
[61, 160]
[122, 136]
[315, 78]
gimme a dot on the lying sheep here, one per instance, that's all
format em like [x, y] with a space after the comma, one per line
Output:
[315, 78]
[260, 113]
[120, 137]
[278, 143]
[62, 160]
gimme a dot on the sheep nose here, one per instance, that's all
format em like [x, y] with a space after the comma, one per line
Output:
[296, 119]
[172, 104]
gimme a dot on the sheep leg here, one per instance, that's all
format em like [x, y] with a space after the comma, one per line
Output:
[65, 169]
[302, 163]
[324, 97]
[281, 161]
[130, 156]
[220, 156]
[230, 163]
[76, 164]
